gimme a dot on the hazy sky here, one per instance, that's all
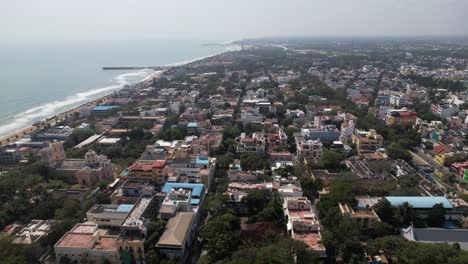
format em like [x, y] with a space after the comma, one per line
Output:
[24, 21]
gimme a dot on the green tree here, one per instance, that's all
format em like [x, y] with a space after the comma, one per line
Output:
[397, 151]
[436, 216]
[251, 161]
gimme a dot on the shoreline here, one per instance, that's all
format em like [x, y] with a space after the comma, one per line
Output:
[16, 135]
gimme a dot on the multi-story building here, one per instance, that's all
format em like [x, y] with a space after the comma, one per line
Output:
[87, 172]
[148, 170]
[278, 140]
[195, 170]
[310, 150]
[290, 191]
[325, 132]
[178, 236]
[251, 115]
[347, 131]
[87, 241]
[50, 134]
[108, 215]
[254, 144]
[399, 99]
[302, 224]
[176, 200]
[444, 110]
[10, 156]
[131, 190]
[363, 217]
[401, 117]
[367, 141]
[133, 229]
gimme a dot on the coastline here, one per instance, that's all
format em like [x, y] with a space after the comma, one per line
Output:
[16, 135]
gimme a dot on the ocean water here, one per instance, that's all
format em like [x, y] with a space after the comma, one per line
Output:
[39, 81]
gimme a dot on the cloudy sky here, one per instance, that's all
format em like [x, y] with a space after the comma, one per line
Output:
[100, 20]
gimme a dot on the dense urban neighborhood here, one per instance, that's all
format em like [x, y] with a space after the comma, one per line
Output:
[283, 151]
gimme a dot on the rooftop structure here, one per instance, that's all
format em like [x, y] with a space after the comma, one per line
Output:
[176, 200]
[437, 235]
[50, 134]
[302, 223]
[87, 241]
[367, 141]
[33, 232]
[138, 215]
[326, 132]
[197, 190]
[419, 202]
[364, 217]
[177, 237]
[108, 215]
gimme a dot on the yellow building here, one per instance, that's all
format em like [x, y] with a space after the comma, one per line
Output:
[367, 141]
[153, 171]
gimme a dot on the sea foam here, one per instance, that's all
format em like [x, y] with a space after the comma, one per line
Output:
[41, 112]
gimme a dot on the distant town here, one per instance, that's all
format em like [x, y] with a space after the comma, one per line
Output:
[286, 151]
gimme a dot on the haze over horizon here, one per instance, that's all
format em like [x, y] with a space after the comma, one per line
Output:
[55, 21]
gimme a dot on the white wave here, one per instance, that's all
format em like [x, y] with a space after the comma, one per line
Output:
[44, 111]
[41, 112]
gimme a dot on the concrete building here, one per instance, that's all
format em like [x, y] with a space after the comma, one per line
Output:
[444, 110]
[148, 170]
[401, 117]
[436, 235]
[309, 150]
[106, 142]
[108, 215]
[87, 172]
[178, 236]
[195, 170]
[132, 189]
[327, 132]
[364, 217]
[51, 134]
[367, 141]
[134, 228]
[254, 144]
[33, 232]
[10, 156]
[87, 241]
[302, 224]
[176, 200]
[290, 191]
[104, 110]
[347, 131]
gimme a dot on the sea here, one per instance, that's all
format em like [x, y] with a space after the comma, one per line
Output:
[38, 81]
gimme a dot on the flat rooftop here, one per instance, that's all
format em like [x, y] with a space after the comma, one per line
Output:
[301, 213]
[312, 239]
[420, 202]
[84, 228]
[75, 240]
[105, 244]
[133, 219]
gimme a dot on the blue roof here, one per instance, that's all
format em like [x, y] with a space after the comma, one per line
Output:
[105, 107]
[192, 124]
[195, 201]
[202, 160]
[197, 188]
[125, 208]
[422, 202]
